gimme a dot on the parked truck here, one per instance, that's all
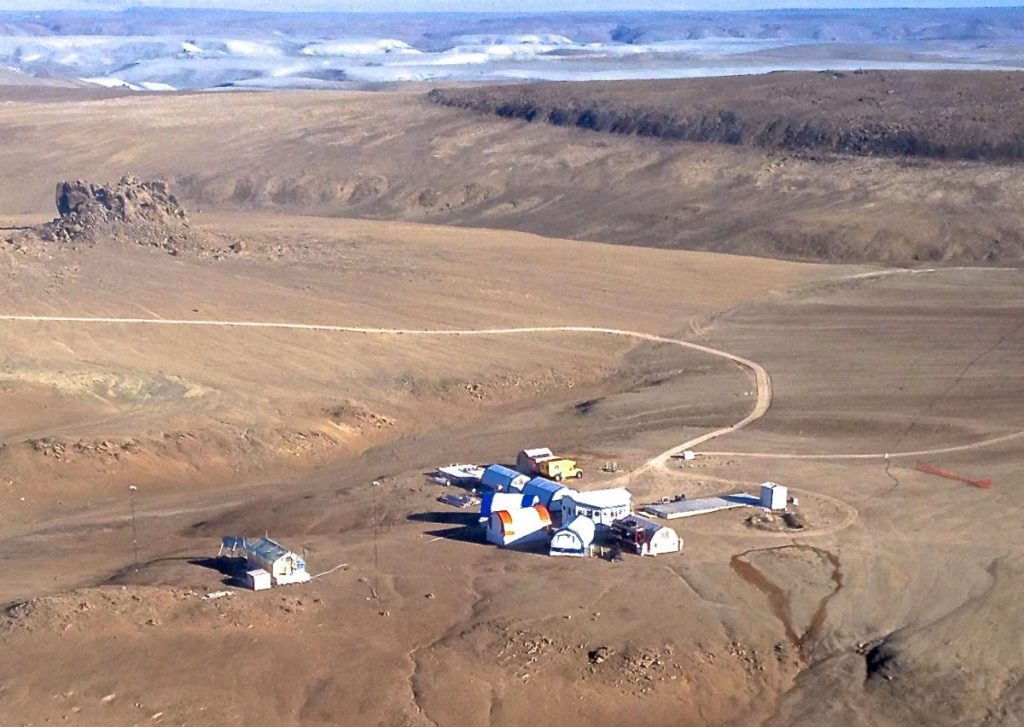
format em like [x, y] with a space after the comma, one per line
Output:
[544, 462]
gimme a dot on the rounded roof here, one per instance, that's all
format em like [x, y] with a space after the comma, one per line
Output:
[527, 519]
[493, 501]
[582, 526]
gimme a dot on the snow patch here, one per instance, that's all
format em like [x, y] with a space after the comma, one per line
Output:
[109, 82]
[155, 86]
[367, 47]
[545, 39]
[252, 49]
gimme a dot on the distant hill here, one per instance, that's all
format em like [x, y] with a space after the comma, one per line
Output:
[398, 156]
[11, 77]
[943, 115]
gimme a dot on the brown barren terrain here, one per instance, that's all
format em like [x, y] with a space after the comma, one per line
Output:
[399, 156]
[894, 603]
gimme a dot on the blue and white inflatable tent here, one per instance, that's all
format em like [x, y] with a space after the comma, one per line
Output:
[548, 493]
[502, 479]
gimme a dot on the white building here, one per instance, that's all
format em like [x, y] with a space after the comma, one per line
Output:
[257, 580]
[518, 527]
[602, 506]
[283, 565]
[774, 496]
[646, 537]
[573, 539]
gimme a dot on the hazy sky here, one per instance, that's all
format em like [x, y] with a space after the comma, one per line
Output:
[490, 5]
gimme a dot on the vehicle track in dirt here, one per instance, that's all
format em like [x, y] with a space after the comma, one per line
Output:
[873, 455]
[760, 374]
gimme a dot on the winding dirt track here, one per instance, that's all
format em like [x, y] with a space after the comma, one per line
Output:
[760, 375]
[875, 455]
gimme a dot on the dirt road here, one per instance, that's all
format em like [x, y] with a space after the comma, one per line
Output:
[760, 374]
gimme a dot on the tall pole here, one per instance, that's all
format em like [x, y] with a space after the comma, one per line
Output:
[135, 534]
[376, 593]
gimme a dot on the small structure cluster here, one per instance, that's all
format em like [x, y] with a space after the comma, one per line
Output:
[529, 504]
[267, 562]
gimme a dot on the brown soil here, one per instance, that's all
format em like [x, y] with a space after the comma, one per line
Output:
[895, 605]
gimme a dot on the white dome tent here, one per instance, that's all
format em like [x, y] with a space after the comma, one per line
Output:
[573, 539]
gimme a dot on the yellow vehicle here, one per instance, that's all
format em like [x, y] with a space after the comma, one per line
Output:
[558, 469]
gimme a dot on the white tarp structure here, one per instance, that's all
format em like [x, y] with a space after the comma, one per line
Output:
[573, 539]
[662, 539]
[518, 527]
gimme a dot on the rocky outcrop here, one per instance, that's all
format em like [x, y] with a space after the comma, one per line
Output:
[131, 210]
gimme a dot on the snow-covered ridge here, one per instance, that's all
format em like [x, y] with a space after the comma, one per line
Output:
[164, 50]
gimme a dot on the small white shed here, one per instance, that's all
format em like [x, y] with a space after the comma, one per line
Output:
[258, 579]
[774, 496]
[573, 539]
[518, 527]
[602, 506]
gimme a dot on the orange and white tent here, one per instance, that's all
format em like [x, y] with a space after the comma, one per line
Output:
[524, 525]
